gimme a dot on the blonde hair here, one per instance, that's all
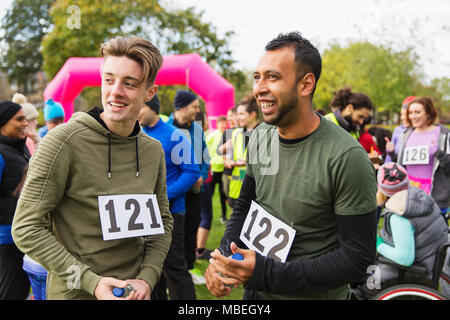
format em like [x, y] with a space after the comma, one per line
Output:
[138, 49]
[381, 198]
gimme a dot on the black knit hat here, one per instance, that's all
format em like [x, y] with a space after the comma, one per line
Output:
[154, 104]
[7, 110]
[183, 98]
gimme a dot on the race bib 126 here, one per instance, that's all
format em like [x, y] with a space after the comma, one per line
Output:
[129, 215]
[416, 155]
[266, 234]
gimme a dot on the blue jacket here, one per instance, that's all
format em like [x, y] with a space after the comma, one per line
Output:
[201, 153]
[43, 131]
[181, 173]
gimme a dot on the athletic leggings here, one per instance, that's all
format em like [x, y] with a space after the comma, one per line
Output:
[206, 213]
[217, 179]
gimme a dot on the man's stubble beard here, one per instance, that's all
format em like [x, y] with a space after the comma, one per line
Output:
[284, 109]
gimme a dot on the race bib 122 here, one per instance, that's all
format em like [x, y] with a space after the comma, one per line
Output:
[266, 234]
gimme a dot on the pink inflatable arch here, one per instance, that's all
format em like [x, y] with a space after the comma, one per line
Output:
[184, 69]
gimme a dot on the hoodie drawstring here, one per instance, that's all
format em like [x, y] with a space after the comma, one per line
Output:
[137, 158]
[109, 155]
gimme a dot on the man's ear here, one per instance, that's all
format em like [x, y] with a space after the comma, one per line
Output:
[348, 110]
[306, 85]
[151, 91]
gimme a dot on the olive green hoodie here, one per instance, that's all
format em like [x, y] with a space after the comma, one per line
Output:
[57, 221]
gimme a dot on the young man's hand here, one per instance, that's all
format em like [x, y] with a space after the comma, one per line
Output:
[234, 272]
[106, 285]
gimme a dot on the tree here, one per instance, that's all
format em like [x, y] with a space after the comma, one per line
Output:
[384, 75]
[174, 31]
[439, 91]
[389, 60]
[24, 26]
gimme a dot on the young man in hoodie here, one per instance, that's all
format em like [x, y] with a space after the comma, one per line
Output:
[94, 210]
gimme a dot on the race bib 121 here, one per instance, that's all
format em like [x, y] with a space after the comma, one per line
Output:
[129, 215]
[266, 234]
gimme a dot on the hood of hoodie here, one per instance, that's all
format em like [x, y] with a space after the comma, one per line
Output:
[93, 121]
[410, 203]
[98, 124]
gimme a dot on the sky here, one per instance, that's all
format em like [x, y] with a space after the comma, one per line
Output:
[397, 23]
[394, 22]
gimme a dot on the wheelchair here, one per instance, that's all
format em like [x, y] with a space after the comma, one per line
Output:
[407, 287]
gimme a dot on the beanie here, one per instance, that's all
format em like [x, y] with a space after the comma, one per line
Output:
[154, 104]
[392, 178]
[52, 110]
[183, 98]
[7, 110]
[29, 109]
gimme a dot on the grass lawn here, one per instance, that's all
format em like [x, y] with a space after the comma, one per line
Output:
[216, 233]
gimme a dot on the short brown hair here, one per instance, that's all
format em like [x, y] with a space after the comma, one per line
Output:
[221, 118]
[428, 106]
[138, 49]
[250, 102]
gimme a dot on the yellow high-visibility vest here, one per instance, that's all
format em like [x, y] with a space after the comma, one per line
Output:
[332, 117]
[212, 141]
[239, 153]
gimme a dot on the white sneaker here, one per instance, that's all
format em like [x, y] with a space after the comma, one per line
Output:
[197, 276]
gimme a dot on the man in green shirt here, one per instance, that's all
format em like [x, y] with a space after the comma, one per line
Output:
[305, 220]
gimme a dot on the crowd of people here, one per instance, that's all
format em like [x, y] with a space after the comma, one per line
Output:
[122, 195]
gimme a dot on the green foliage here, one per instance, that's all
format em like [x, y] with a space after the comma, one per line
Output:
[24, 26]
[98, 21]
[43, 34]
[439, 90]
[384, 75]
[172, 31]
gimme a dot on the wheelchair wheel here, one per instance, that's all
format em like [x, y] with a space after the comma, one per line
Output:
[409, 292]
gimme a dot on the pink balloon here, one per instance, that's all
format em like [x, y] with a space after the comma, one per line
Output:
[183, 69]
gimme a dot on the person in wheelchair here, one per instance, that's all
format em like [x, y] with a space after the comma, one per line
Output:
[413, 228]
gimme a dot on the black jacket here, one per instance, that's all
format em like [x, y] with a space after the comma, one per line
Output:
[16, 156]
